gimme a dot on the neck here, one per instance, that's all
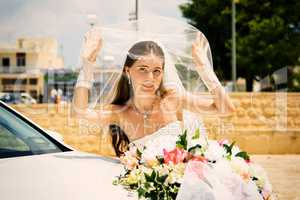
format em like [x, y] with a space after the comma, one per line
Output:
[144, 104]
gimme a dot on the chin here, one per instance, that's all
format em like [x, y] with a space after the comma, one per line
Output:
[147, 92]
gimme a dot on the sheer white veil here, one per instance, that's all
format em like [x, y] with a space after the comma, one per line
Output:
[175, 39]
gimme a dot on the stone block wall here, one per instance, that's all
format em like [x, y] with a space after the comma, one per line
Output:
[264, 123]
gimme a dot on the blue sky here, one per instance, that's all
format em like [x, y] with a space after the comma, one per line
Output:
[66, 20]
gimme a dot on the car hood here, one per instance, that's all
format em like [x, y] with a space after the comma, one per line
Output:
[68, 175]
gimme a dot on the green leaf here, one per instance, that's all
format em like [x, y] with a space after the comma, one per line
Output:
[193, 148]
[160, 159]
[196, 134]
[115, 182]
[182, 141]
[243, 154]
[232, 144]
[138, 153]
[148, 178]
[162, 179]
[147, 185]
[141, 192]
[229, 148]
[153, 175]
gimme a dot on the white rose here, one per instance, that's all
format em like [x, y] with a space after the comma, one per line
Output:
[162, 170]
[146, 170]
[240, 166]
[257, 171]
[149, 154]
[214, 151]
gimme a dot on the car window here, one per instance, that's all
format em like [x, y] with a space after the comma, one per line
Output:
[18, 138]
[10, 142]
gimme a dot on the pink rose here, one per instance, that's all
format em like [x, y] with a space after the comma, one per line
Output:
[199, 158]
[175, 156]
[196, 168]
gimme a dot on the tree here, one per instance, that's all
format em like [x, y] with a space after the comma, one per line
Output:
[268, 34]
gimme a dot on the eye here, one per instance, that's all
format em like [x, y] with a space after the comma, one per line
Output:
[142, 69]
[157, 72]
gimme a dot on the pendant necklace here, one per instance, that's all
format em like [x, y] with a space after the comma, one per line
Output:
[145, 114]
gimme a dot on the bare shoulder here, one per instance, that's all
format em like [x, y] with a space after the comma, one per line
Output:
[172, 96]
[169, 92]
[110, 113]
[171, 100]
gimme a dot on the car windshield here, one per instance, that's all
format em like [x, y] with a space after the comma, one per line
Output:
[19, 138]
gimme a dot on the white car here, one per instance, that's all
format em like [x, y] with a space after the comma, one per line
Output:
[16, 98]
[27, 99]
[37, 165]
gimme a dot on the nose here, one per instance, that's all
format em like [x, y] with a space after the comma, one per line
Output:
[150, 75]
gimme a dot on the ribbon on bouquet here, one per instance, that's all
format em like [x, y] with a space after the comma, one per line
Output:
[201, 183]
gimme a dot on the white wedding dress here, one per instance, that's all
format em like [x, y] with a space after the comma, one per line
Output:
[219, 182]
[167, 136]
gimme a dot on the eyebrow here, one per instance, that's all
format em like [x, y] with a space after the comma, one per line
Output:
[149, 67]
[143, 66]
[160, 68]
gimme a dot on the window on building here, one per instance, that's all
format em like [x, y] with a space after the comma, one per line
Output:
[8, 81]
[23, 81]
[33, 81]
[33, 93]
[5, 62]
[21, 59]
[13, 81]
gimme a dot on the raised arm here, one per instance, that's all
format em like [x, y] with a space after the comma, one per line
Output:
[219, 101]
[91, 47]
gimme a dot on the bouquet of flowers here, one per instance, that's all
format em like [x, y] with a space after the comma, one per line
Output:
[160, 176]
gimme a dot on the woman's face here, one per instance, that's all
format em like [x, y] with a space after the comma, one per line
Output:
[146, 74]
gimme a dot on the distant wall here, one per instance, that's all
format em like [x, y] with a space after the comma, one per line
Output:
[265, 123]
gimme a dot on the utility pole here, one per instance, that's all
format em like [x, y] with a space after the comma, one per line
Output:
[135, 15]
[92, 20]
[233, 48]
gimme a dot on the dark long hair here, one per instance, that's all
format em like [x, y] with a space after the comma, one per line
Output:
[124, 91]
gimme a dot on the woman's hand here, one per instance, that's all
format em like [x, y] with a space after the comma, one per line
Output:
[221, 101]
[92, 44]
[199, 51]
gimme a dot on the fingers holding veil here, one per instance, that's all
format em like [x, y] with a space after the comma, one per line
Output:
[201, 51]
[92, 44]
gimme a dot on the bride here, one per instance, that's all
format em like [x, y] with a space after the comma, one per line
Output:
[153, 99]
[144, 101]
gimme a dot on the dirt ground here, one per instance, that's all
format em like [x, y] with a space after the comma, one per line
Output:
[284, 174]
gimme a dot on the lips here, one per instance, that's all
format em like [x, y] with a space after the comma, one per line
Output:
[148, 86]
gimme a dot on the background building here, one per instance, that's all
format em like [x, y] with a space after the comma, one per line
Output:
[22, 65]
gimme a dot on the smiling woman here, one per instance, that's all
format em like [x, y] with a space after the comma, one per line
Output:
[150, 115]
[140, 86]
[147, 92]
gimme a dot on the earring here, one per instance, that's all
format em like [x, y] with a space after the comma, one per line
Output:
[128, 77]
[157, 93]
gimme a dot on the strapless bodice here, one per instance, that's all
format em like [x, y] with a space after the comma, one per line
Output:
[165, 137]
